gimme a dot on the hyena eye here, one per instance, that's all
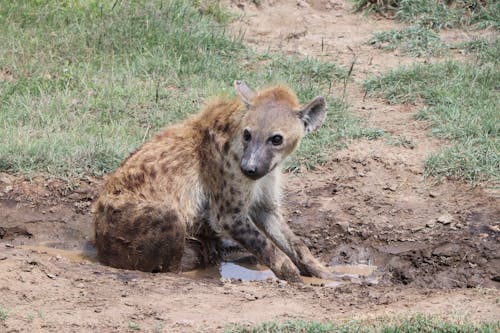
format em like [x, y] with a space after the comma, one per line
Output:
[277, 140]
[246, 135]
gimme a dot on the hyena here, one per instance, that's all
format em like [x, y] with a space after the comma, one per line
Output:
[218, 170]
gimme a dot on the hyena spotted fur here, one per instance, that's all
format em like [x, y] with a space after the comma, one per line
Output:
[219, 171]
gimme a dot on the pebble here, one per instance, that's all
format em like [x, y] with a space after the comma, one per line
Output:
[251, 297]
[343, 224]
[445, 219]
[430, 224]
[389, 187]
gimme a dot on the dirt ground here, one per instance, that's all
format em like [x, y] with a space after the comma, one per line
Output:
[435, 245]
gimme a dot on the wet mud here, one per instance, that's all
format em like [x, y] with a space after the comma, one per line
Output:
[450, 251]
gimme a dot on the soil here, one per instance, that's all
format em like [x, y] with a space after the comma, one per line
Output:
[434, 245]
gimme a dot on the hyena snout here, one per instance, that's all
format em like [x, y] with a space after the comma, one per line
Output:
[256, 161]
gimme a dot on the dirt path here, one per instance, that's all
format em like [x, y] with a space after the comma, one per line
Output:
[436, 246]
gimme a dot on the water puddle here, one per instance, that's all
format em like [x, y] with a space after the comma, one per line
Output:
[252, 272]
[244, 270]
[79, 252]
[232, 270]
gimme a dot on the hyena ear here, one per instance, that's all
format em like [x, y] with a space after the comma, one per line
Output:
[246, 94]
[313, 114]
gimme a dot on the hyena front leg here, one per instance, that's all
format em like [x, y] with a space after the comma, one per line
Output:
[244, 231]
[269, 219]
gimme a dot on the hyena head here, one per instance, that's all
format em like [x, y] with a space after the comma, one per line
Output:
[273, 126]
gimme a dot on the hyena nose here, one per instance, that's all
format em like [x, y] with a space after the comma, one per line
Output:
[250, 171]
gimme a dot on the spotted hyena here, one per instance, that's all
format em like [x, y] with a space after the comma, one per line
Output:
[218, 171]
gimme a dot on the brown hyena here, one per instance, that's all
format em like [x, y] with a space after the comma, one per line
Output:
[218, 170]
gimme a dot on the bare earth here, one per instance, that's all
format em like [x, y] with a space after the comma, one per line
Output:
[435, 244]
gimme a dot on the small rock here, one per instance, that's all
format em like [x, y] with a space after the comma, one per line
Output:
[184, 322]
[389, 187]
[251, 297]
[351, 231]
[445, 219]
[3, 257]
[51, 276]
[494, 228]
[224, 280]
[433, 194]
[302, 4]
[9, 245]
[282, 283]
[430, 224]
[343, 224]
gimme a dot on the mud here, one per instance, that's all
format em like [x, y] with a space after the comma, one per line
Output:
[409, 244]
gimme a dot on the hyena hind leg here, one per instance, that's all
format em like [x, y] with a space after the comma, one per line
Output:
[139, 236]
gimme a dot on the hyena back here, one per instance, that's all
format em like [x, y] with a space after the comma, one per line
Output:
[218, 170]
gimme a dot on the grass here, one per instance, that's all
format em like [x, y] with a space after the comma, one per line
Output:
[4, 314]
[133, 326]
[30, 317]
[414, 41]
[461, 104]
[484, 49]
[438, 14]
[415, 324]
[400, 141]
[84, 82]
[425, 18]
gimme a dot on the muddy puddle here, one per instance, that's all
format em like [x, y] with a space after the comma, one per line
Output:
[256, 272]
[242, 270]
[83, 252]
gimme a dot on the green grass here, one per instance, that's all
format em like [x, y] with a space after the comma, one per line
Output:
[415, 324]
[84, 82]
[400, 141]
[133, 326]
[461, 104]
[4, 314]
[414, 41]
[438, 14]
[484, 49]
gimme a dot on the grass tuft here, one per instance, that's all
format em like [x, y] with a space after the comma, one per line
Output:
[484, 49]
[400, 141]
[4, 314]
[414, 41]
[133, 326]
